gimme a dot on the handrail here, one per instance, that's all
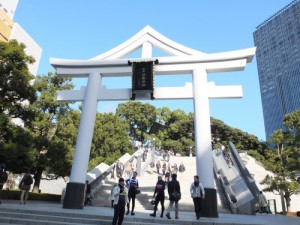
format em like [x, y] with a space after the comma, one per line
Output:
[244, 172]
[103, 175]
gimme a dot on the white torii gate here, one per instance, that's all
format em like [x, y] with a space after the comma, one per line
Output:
[183, 60]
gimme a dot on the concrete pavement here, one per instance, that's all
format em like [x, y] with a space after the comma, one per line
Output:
[143, 216]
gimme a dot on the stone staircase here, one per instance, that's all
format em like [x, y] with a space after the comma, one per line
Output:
[147, 184]
[39, 217]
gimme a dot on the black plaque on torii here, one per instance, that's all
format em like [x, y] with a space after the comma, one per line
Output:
[142, 79]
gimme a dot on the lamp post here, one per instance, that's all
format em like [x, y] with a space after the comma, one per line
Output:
[153, 151]
[191, 154]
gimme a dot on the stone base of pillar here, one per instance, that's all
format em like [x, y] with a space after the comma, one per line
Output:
[210, 204]
[74, 196]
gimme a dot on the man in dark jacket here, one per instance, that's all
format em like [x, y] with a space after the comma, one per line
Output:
[3, 179]
[174, 195]
[159, 195]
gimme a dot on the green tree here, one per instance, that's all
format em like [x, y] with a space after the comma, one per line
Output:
[16, 92]
[139, 117]
[179, 133]
[16, 148]
[222, 134]
[284, 159]
[61, 148]
[48, 115]
[110, 140]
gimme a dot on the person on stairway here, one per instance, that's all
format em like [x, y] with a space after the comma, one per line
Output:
[159, 195]
[197, 193]
[133, 187]
[158, 165]
[120, 200]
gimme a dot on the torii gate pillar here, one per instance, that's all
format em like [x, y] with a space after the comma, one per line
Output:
[204, 161]
[74, 198]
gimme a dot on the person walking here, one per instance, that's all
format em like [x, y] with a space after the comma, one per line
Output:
[3, 179]
[181, 167]
[24, 185]
[164, 168]
[197, 193]
[175, 168]
[159, 195]
[133, 187]
[167, 176]
[158, 166]
[174, 195]
[88, 190]
[121, 198]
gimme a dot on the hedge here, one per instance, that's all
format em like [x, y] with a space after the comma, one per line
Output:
[15, 194]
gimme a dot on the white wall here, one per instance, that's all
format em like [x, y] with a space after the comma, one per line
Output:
[32, 48]
[9, 6]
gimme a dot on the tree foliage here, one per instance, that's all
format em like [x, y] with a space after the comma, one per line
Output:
[179, 133]
[43, 128]
[139, 117]
[222, 134]
[16, 93]
[284, 159]
[16, 148]
[110, 140]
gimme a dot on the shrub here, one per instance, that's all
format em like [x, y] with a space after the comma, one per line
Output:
[15, 194]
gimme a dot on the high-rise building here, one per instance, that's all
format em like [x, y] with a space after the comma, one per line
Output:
[278, 61]
[11, 30]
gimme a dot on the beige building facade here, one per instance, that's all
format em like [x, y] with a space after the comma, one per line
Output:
[12, 30]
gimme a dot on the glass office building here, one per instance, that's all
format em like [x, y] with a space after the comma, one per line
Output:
[278, 61]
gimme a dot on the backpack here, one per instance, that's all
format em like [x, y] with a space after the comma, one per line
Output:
[181, 168]
[3, 176]
[28, 180]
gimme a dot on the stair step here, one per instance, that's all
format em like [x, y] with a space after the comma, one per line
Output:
[30, 217]
[147, 185]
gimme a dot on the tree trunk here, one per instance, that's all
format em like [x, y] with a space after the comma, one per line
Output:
[287, 197]
[282, 202]
[37, 180]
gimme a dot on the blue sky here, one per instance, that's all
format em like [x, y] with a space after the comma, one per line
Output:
[78, 29]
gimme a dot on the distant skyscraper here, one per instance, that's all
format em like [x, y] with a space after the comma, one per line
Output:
[11, 30]
[278, 61]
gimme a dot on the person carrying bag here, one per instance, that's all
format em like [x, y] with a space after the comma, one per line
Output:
[174, 195]
[197, 193]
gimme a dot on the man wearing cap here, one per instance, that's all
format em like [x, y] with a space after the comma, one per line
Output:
[121, 198]
[159, 195]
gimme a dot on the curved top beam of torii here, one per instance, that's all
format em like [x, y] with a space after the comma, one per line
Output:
[183, 60]
[145, 39]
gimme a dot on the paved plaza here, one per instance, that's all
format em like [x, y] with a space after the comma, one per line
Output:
[143, 216]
